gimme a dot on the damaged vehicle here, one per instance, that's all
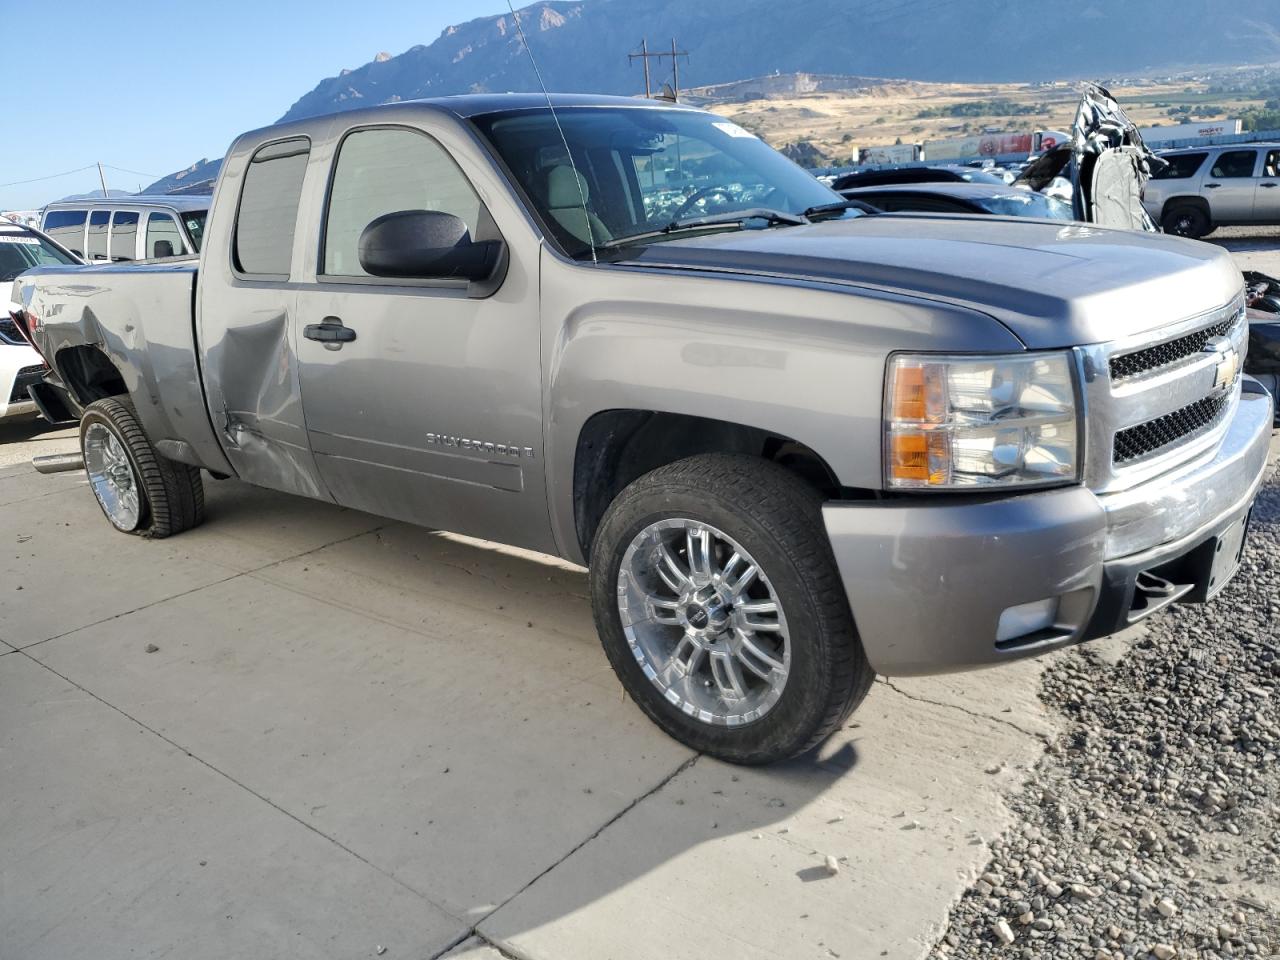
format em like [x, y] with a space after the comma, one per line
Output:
[795, 443]
[1105, 162]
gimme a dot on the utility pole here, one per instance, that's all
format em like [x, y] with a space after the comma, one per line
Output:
[103, 180]
[644, 56]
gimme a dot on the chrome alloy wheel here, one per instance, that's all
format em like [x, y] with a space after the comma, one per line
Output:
[703, 622]
[111, 474]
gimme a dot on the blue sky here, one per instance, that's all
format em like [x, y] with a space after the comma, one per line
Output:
[151, 87]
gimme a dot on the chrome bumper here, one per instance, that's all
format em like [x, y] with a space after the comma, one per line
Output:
[929, 578]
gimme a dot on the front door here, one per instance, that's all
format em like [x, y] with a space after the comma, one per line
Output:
[1266, 202]
[1230, 184]
[429, 407]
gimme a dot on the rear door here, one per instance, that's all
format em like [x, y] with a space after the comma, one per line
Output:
[431, 412]
[246, 311]
[1230, 184]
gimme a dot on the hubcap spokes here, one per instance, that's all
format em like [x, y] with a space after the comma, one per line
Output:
[112, 476]
[703, 622]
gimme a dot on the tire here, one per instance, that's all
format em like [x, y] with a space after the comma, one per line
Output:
[1186, 220]
[747, 507]
[167, 497]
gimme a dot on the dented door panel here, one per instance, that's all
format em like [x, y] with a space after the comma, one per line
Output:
[251, 371]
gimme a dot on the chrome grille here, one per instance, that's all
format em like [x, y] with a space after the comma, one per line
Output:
[1156, 400]
[1151, 437]
[1139, 362]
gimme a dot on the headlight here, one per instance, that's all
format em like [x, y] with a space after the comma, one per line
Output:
[963, 421]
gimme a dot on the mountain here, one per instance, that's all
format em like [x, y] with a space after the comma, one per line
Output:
[197, 178]
[582, 45]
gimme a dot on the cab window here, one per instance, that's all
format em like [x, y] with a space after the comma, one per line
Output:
[387, 170]
[1235, 164]
[163, 237]
[268, 214]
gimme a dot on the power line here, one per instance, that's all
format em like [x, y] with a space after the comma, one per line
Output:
[153, 176]
[52, 176]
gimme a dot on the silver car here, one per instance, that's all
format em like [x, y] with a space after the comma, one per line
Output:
[123, 229]
[1204, 188]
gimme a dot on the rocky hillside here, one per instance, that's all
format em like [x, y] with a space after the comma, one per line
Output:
[581, 45]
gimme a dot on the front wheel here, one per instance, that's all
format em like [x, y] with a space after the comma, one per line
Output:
[139, 490]
[721, 609]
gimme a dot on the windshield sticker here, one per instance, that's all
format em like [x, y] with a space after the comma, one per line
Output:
[733, 130]
[18, 238]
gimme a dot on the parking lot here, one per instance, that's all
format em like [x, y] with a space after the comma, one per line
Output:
[304, 731]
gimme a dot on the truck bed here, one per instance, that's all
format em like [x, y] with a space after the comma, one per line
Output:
[141, 316]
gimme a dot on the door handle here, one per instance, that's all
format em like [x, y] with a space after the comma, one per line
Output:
[1212, 186]
[1269, 186]
[330, 332]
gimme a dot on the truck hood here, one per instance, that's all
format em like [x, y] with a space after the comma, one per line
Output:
[1052, 284]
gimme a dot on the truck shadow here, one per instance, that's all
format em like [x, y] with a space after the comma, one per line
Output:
[500, 771]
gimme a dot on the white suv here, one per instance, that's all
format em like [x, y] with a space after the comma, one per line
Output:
[1208, 187]
[21, 248]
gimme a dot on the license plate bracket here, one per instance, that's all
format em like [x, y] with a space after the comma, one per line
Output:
[1227, 552]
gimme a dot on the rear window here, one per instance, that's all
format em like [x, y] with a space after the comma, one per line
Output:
[1181, 166]
[67, 227]
[124, 234]
[98, 221]
[268, 212]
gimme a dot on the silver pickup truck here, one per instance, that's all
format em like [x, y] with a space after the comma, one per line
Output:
[796, 443]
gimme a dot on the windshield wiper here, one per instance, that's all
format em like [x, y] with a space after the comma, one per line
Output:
[839, 206]
[709, 222]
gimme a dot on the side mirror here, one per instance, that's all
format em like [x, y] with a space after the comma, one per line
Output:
[426, 245]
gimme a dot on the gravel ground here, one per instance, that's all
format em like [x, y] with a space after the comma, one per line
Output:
[1151, 827]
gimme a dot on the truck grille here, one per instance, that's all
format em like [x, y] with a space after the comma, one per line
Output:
[1150, 359]
[1160, 399]
[27, 377]
[1151, 437]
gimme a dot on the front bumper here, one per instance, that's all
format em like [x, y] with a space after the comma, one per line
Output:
[928, 579]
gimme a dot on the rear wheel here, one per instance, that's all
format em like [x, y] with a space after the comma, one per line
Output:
[720, 607]
[1186, 220]
[139, 491]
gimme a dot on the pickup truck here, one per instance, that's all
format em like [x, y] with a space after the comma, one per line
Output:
[796, 443]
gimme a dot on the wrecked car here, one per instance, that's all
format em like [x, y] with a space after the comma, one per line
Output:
[795, 443]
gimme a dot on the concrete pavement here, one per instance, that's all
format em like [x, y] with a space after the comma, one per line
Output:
[357, 734]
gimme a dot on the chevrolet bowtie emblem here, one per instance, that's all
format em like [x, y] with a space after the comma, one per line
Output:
[1227, 368]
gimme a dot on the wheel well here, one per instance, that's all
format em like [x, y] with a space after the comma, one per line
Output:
[616, 447]
[1173, 203]
[89, 374]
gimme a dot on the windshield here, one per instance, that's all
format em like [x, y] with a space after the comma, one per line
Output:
[1024, 203]
[22, 251]
[194, 221]
[639, 169]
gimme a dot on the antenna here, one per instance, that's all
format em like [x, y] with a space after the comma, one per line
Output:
[577, 177]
